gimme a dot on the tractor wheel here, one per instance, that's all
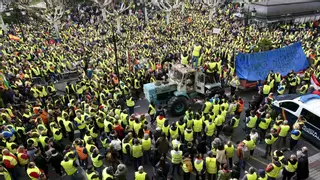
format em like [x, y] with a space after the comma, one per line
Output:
[178, 105]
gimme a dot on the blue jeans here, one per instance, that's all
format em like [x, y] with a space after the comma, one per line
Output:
[209, 141]
[195, 60]
[242, 163]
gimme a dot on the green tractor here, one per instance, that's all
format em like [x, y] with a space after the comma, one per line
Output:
[183, 86]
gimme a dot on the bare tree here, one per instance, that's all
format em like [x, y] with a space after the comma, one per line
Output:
[212, 5]
[3, 26]
[167, 7]
[112, 11]
[52, 11]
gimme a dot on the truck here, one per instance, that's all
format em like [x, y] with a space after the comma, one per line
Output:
[183, 85]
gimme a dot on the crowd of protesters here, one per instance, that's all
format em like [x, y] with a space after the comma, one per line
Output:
[93, 123]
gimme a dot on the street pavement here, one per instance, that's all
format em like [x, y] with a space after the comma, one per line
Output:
[255, 161]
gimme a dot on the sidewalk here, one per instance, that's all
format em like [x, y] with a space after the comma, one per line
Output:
[314, 167]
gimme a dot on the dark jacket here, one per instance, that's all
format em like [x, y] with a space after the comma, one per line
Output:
[41, 162]
[201, 147]
[303, 167]
[227, 130]
[56, 160]
[235, 172]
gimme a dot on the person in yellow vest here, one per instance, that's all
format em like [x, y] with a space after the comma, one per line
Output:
[207, 106]
[140, 174]
[196, 53]
[211, 166]
[230, 149]
[209, 129]
[146, 147]
[304, 88]
[80, 123]
[295, 135]
[270, 139]
[188, 135]
[251, 174]
[186, 166]
[4, 173]
[197, 125]
[107, 173]
[290, 167]
[266, 89]
[264, 125]
[23, 156]
[184, 58]
[218, 121]
[152, 111]
[273, 169]
[92, 174]
[70, 167]
[97, 161]
[137, 153]
[69, 129]
[262, 175]
[200, 167]
[234, 84]
[283, 132]
[160, 120]
[130, 104]
[176, 159]
[281, 87]
[34, 172]
[250, 144]
[10, 162]
[251, 122]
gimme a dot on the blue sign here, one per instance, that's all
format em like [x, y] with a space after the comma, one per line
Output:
[256, 66]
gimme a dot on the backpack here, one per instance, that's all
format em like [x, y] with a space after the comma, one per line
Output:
[245, 152]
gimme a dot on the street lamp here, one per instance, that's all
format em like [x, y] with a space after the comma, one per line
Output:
[253, 13]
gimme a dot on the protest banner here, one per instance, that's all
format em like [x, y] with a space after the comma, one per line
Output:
[256, 66]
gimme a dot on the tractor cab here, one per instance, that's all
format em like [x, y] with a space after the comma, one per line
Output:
[189, 80]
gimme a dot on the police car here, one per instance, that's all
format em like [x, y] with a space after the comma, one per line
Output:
[291, 106]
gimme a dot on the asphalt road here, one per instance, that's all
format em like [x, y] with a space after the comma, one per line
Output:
[255, 161]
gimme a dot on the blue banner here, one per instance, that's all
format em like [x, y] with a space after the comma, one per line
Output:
[256, 66]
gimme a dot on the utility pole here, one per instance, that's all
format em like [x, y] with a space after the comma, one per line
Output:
[115, 50]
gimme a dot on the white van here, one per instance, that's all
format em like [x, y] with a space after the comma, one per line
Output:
[291, 106]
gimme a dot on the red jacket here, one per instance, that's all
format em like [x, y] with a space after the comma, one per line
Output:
[35, 174]
[7, 162]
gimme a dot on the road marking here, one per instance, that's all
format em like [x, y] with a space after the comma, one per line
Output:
[251, 157]
[137, 106]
